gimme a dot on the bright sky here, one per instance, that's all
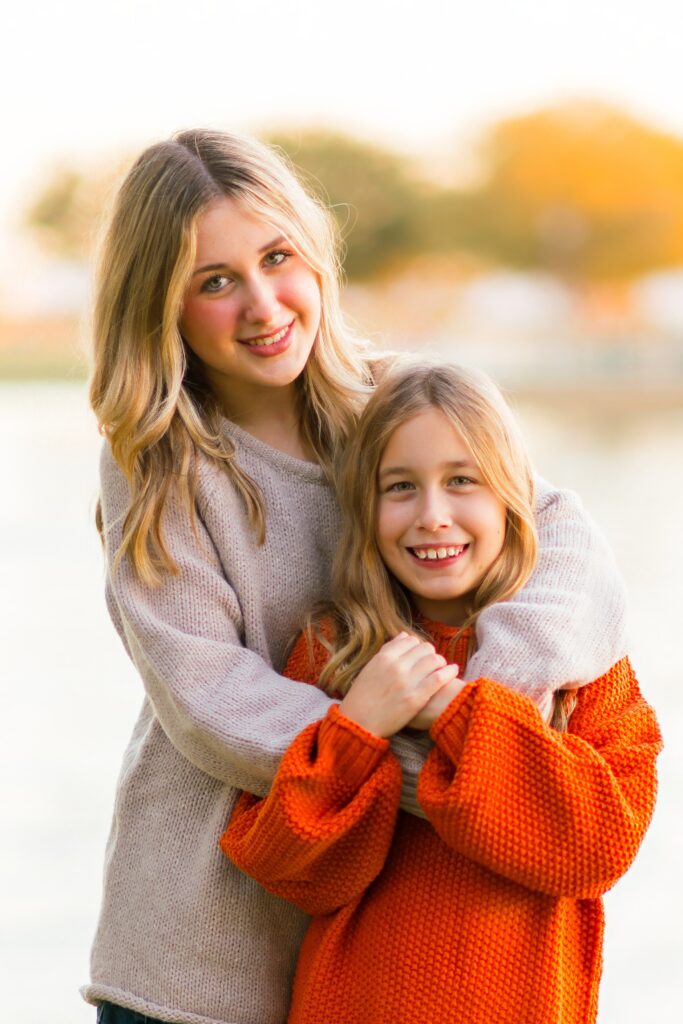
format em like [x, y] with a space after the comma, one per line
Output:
[88, 79]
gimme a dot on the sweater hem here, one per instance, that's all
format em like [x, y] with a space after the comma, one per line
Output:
[96, 994]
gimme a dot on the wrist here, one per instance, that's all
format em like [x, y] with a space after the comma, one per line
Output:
[441, 700]
[360, 716]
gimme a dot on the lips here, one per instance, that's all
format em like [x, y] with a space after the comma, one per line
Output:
[434, 555]
[273, 338]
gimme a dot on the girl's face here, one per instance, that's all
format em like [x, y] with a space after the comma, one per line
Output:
[440, 527]
[252, 310]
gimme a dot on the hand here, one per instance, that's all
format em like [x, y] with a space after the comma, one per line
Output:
[425, 718]
[396, 684]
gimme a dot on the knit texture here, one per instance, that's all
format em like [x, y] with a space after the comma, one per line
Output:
[490, 911]
[183, 935]
[542, 639]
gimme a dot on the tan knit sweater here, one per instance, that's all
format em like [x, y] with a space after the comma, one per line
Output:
[183, 935]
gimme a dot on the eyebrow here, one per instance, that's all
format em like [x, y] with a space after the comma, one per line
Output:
[458, 464]
[224, 266]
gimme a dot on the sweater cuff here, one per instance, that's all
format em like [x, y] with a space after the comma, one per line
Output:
[449, 730]
[352, 752]
[492, 698]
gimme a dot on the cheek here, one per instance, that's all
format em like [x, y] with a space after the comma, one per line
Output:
[385, 530]
[200, 321]
[494, 519]
[300, 291]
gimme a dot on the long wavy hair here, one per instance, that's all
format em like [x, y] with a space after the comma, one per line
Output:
[370, 605]
[147, 388]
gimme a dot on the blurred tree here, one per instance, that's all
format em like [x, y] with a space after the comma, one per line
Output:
[582, 190]
[64, 214]
[375, 194]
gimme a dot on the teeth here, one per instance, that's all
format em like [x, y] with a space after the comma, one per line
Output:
[272, 339]
[433, 554]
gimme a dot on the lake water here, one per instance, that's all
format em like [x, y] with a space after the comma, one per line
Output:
[70, 696]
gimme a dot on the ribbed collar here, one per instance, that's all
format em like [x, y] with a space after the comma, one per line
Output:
[244, 441]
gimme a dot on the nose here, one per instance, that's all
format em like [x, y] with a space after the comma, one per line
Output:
[260, 301]
[434, 511]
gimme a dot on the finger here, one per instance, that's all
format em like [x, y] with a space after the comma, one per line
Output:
[403, 642]
[424, 659]
[433, 682]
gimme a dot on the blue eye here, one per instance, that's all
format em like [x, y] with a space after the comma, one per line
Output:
[400, 486]
[461, 481]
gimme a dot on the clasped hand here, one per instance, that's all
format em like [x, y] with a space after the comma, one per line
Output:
[406, 684]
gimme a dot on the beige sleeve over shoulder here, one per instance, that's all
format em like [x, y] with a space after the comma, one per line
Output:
[567, 626]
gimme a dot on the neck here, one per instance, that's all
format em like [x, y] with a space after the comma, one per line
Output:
[270, 414]
[448, 613]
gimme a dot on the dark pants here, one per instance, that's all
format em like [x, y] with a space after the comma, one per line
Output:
[107, 1013]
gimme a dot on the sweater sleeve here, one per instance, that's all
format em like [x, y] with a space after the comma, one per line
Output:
[560, 813]
[220, 704]
[223, 708]
[322, 834]
[567, 625]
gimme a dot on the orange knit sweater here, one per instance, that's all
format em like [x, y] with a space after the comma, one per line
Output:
[489, 912]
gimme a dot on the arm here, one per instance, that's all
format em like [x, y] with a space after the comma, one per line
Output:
[220, 704]
[567, 625]
[560, 813]
[322, 834]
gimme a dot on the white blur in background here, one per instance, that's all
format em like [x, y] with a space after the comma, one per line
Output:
[74, 696]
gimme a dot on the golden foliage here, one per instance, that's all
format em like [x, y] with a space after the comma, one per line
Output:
[583, 189]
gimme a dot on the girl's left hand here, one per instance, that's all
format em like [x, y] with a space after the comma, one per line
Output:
[425, 719]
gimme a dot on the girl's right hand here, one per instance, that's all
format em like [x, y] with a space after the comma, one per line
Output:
[397, 683]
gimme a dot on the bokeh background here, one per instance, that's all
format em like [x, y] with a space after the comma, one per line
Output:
[509, 182]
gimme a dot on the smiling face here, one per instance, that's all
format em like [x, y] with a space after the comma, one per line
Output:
[439, 525]
[252, 310]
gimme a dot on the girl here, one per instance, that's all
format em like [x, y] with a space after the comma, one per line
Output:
[490, 910]
[226, 384]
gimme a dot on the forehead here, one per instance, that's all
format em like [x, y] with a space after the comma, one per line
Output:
[424, 439]
[227, 232]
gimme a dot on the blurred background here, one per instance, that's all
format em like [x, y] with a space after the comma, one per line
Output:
[509, 183]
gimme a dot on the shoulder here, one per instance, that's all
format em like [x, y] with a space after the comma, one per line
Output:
[114, 486]
[614, 705]
[114, 482]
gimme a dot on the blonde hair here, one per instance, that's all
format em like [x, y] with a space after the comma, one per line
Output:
[370, 605]
[147, 389]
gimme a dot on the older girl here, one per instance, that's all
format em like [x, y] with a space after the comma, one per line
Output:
[490, 911]
[227, 384]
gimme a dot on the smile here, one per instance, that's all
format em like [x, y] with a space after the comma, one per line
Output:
[440, 554]
[266, 340]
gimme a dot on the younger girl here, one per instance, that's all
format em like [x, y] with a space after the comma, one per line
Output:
[490, 910]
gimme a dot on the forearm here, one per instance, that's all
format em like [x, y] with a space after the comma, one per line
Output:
[567, 625]
[221, 704]
[231, 715]
[322, 834]
[562, 814]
